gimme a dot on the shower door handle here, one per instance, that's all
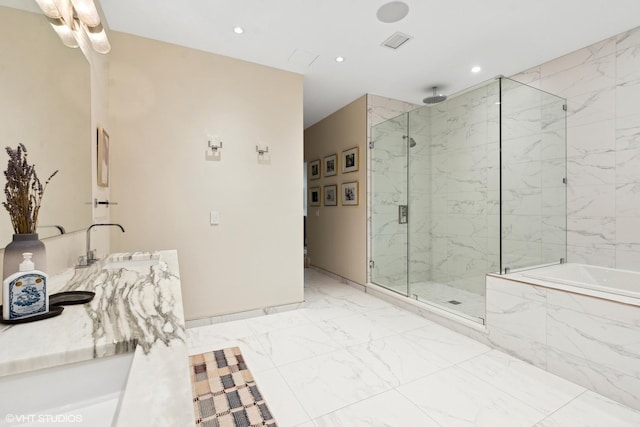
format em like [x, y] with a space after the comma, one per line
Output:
[403, 214]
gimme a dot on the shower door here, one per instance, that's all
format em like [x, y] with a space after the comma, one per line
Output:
[389, 211]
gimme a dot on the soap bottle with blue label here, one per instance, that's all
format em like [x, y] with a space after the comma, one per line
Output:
[24, 294]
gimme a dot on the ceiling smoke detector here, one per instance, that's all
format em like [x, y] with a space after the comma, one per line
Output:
[396, 40]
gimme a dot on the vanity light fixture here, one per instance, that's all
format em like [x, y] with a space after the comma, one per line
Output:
[339, 59]
[214, 146]
[238, 30]
[476, 69]
[69, 18]
[263, 154]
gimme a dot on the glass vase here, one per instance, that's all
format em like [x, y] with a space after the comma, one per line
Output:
[20, 244]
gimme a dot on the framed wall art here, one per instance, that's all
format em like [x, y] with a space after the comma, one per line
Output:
[331, 165]
[330, 196]
[350, 193]
[314, 169]
[350, 160]
[314, 196]
[103, 158]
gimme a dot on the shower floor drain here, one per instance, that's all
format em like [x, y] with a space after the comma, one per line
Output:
[454, 302]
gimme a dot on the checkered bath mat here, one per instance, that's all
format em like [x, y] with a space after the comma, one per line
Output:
[224, 391]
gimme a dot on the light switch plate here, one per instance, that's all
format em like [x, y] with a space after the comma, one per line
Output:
[215, 218]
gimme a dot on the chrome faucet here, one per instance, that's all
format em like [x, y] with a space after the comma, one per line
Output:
[89, 258]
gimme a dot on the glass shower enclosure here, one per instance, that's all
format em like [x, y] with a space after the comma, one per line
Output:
[473, 185]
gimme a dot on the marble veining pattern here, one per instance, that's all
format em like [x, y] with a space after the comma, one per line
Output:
[137, 308]
[146, 316]
[411, 372]
[602, 85]
[590, 341]
[451, 179]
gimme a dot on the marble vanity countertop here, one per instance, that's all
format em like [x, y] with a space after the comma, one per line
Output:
[137, 308]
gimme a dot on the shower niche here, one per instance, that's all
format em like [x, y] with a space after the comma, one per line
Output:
[472, 185]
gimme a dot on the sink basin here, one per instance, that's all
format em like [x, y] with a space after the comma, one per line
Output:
[130, 263]
[84, 393]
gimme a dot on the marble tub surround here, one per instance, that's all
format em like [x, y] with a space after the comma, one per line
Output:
[588, 340]
[137, 308]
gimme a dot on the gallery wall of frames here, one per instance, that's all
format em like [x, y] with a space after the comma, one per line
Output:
[337, 189]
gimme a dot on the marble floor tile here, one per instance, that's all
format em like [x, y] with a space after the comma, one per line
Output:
[334, 289]
[471, 304]
[362, 302]
[389, 409]
[219, 332]
[592, 410]
[446, 344]
[281, 400]
[345, 358]
[274, 322]
[454, 398]
[397, 359]
[294, 344]
[352, 330]
[331, 381]
[397, 319]
[539, 389]
[327, 308]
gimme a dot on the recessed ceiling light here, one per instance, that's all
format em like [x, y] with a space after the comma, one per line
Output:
[476, 69]
[392, 12]
[339, 59]
[238, 30]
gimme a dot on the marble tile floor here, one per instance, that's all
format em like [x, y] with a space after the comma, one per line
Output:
[471, 304]
[345, 358]
[439, 294]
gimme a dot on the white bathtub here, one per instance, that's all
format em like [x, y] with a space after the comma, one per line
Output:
[618, 283]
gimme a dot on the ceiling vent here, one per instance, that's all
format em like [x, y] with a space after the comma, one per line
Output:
[396, 40]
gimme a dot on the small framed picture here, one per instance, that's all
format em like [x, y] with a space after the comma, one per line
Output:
[350, 193]
[350, 160]
[331, 165]
[314, 196]
[103, 158]
[314, 169]
[330, 196]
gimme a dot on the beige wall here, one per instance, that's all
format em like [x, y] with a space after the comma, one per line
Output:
[63, 251]
[337, 235]
[164, 101]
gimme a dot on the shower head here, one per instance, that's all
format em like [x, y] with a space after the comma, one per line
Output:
[412, 142]
[435, 98]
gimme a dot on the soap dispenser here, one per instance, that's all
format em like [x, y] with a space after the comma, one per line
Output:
[24, 294]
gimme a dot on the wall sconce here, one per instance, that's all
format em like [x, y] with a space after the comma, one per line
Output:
[69, 18]
[214, 144]
[263, 154]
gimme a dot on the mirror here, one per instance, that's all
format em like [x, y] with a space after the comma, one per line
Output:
[46, 105]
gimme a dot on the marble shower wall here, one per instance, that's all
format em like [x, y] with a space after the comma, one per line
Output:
[387, 170]
[463, 184]
[533, 170]
[389, 180]
[420, 197]
[602, 85]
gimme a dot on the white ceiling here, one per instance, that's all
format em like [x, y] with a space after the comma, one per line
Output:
[449, 37]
